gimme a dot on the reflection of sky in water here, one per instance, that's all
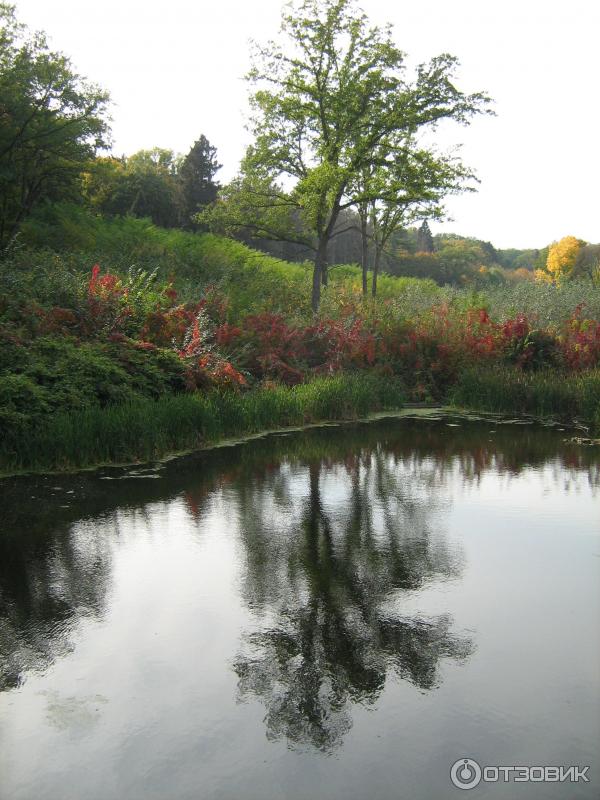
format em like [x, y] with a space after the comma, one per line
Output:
[159, 642]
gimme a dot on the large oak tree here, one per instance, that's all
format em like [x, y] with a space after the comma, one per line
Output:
[326, 99]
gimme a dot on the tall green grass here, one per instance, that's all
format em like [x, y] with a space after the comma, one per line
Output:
[146, 430]
[252, 280]
[574, 397]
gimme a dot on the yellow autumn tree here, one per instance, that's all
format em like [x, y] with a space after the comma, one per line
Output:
[561, 260]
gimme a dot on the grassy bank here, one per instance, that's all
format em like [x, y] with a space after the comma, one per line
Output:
[146, 430]
[66, 239]
[547, 393]
[121, 342]
[72, 238]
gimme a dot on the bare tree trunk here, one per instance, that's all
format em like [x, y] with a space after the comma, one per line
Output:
[376, 270]
[364, 253]
[319, 267]
[133, 205]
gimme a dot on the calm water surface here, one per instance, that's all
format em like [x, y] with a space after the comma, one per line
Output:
[338, 614]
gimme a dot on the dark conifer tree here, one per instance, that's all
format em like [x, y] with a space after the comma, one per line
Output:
[424, 239]
[196, 175]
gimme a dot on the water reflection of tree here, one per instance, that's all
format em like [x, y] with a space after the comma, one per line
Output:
[47, 583]
[461, 455]
[55, 568]
[329, 584]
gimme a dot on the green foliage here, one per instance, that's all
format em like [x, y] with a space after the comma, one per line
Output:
[542, 394]
[196, 179]
[587, 264]
[55, 360]
[64, 227]
[405, 184]
[21, 399]
[143, 430]
[251, 280]
[538, 349]
[548, 305]
[513, 258]
[458, 253]
[55, 374]
[43, 277]
[53, 122]
[332, 105]
[454, 260]
[254, 207]
[155, 184]
[424, 238]
[144, 184]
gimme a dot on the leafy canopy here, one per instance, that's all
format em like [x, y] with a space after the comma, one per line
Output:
[141, 185]
[562, 256]
[53, 122]
[332, 100]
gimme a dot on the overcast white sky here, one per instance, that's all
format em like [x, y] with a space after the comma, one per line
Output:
[174, 70]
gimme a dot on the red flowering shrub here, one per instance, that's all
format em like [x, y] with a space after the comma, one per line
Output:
[226, 334]
[427, 351]
[163, 327]
[269, 348]
[265, 346]
[481, 334]
[211, 371]
[580, 341]
[527, 347]
[107, 308]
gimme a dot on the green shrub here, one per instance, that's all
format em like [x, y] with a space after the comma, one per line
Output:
[59, 373]
[21, 398]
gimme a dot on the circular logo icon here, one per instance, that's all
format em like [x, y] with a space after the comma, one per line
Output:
[465, 773]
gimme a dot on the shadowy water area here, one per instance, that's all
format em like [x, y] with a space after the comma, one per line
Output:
[336, 613]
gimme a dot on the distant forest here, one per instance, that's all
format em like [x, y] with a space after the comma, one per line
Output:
[172, 191]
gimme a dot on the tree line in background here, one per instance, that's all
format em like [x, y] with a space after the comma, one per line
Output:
[54, 127]
[337, 173]
[156, 184]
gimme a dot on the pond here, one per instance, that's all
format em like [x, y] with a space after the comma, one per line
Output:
[339, 613]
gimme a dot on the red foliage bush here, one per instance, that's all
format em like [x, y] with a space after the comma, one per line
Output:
[426, 352]
[580, 341]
